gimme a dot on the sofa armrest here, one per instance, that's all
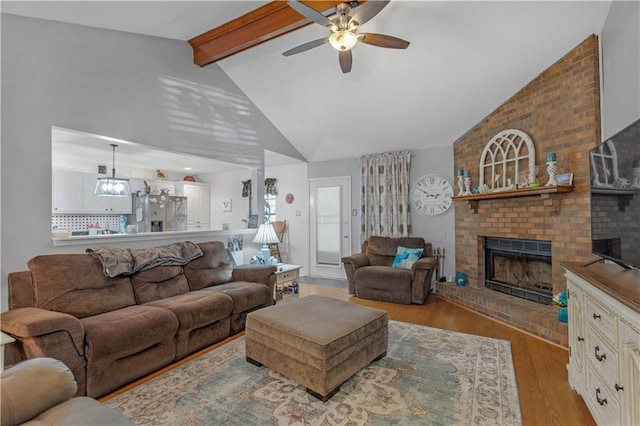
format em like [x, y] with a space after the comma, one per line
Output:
[424, 263]
[421, 274]
[254, 273]
[265, 274]
[30, 323]
[351, 263]
[33, 386]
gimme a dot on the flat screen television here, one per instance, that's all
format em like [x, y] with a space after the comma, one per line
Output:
[615, 197]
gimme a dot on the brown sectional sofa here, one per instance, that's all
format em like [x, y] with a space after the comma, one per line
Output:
[111, 331]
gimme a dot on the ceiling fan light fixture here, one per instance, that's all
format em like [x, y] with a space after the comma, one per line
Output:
[342, 40]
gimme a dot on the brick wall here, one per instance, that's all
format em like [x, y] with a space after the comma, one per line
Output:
[560, 111]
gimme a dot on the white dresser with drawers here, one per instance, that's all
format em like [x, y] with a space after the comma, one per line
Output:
[604, 340]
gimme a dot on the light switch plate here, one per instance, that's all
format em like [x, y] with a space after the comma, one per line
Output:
[298, 213]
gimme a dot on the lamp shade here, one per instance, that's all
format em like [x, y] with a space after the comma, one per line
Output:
[112, 186]
[266, 235]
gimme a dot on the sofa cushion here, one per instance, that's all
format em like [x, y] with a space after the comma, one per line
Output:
[74, 284]
[118, 334]
[384, 278]
[215, 266]
[246, 296]
[406, 257]
[197, 308]
[159, 283]
[82, 411]
[33, 386]
[382, 250]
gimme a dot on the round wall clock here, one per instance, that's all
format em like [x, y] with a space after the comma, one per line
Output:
[431, 195]
[289, 198]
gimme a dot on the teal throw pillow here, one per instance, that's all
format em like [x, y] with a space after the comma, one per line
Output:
[406, 257]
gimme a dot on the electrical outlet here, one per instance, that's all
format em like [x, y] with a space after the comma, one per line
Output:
[298, 213]
[354, 212]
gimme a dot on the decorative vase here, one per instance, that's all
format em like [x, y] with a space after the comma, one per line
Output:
[563, 314]
[460, 185]
[461, 279]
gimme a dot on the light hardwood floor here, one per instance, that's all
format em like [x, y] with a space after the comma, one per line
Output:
[544, 392]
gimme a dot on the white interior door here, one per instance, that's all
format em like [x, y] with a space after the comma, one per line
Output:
[330, 225]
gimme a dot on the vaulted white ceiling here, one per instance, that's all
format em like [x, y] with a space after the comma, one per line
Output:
[465, 59]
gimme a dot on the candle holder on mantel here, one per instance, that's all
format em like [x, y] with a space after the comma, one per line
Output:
[635, 173]
[460, 185]
[551, 169]
[467, 183]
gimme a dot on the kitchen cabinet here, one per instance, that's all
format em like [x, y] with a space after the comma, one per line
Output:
[198, 204]
[73, 192]
[604, 341]
[67, 193]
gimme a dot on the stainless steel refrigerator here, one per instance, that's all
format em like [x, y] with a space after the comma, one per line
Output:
[159, 213]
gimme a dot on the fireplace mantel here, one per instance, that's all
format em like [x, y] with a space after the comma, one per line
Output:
[524, 192]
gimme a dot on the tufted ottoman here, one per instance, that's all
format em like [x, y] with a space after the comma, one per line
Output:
[316, 341]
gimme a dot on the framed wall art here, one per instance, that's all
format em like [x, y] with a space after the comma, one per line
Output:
[564, 179]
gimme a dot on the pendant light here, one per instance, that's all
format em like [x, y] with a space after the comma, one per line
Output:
[113, 186]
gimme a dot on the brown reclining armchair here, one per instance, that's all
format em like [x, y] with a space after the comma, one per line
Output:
[371, 276]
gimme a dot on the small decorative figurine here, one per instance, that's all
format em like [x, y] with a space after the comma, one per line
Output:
[160, 175]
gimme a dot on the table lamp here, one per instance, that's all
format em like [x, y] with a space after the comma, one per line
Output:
[266, 235]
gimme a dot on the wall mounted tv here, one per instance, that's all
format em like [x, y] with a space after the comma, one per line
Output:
[615, 197]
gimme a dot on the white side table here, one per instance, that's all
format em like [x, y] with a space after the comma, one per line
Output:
[286, 275]
[5, 339]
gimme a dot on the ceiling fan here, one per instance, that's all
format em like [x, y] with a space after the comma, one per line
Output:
[343, 27]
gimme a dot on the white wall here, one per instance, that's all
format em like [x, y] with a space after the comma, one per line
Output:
[228, 185]
[439, 230]
[292, 179]
[137, 88]
[620, 41]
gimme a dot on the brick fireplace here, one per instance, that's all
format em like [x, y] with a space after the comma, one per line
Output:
[560, 111]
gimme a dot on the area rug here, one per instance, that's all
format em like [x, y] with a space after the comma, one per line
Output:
[324, 281]
[429, 377]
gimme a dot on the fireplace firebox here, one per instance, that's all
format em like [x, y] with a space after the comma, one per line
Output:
[519, 267]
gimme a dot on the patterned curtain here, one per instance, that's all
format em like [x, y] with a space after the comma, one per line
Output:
[270, 186]
[385, 194]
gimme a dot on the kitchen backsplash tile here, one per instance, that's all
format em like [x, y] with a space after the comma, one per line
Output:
[78, 222]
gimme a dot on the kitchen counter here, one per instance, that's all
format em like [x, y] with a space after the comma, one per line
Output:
[146, 236]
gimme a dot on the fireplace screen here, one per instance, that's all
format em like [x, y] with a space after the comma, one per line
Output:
[520, 268]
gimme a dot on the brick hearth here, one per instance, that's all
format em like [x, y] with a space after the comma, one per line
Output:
[560, 111]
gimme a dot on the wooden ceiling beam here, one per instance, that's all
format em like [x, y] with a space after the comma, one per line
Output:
[265, 23]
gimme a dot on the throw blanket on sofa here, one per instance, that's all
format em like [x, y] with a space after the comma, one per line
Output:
[121, 261]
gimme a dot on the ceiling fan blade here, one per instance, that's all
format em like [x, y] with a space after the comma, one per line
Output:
[311, 14]
[306, 46]
[368, 10]
[381, 40]
[346, 60]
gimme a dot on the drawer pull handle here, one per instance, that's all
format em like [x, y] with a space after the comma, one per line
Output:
[596, 316]
[580, 339]
[599, 357]
[619, 388]
[602, 401]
